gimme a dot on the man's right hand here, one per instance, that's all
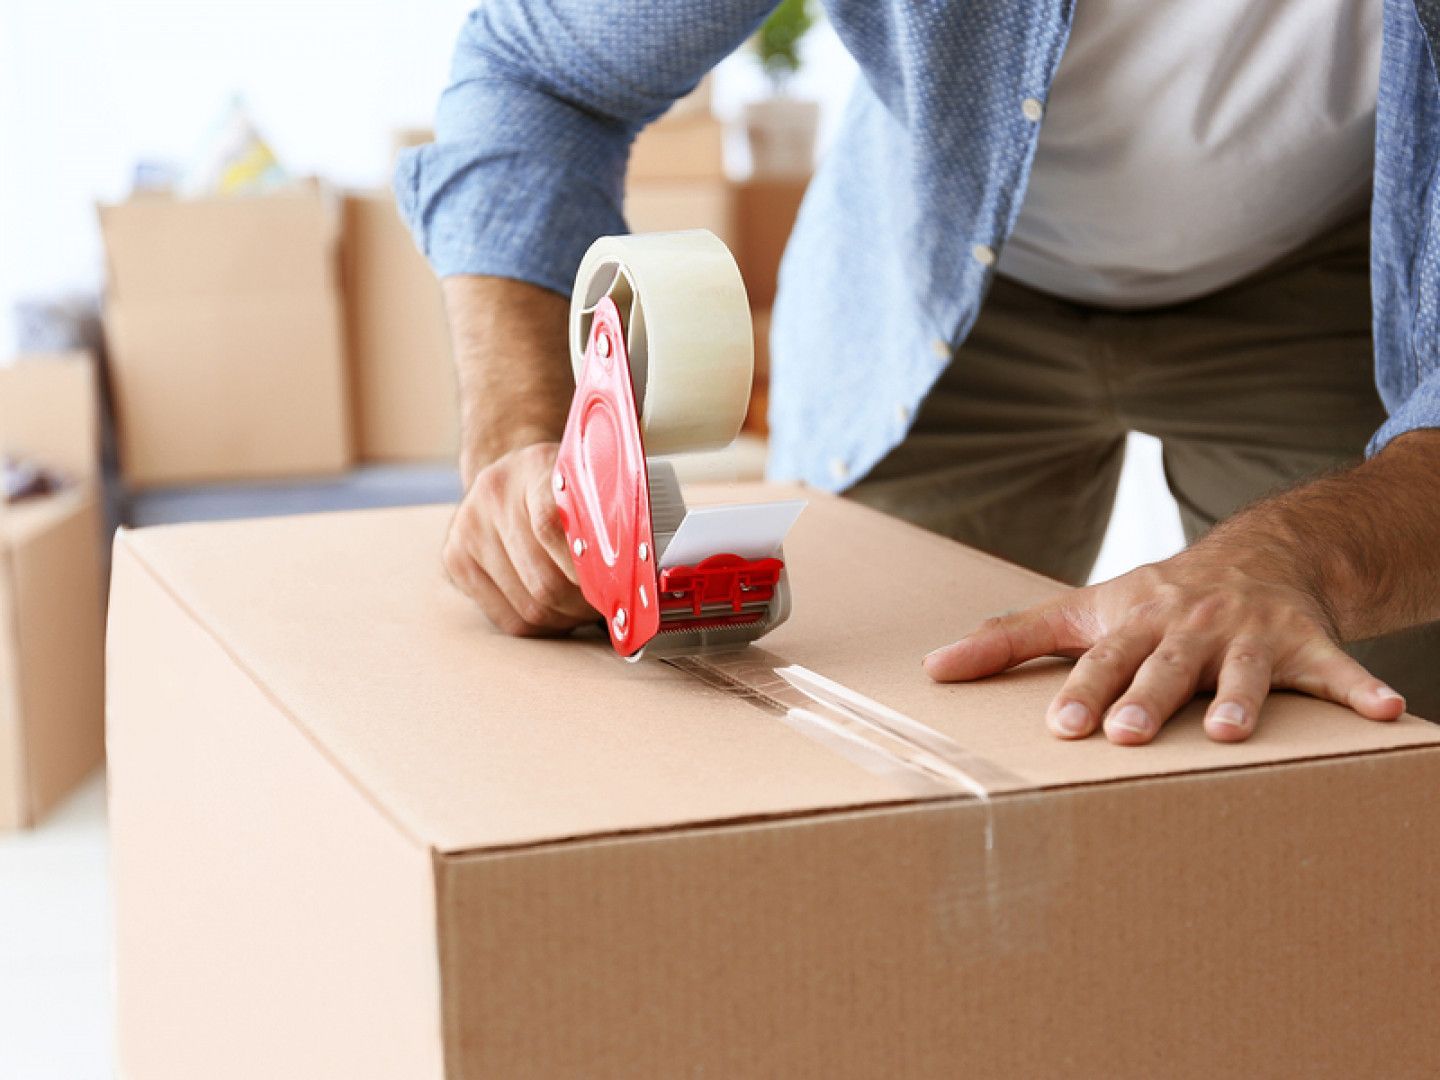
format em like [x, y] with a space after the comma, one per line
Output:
[507, 551]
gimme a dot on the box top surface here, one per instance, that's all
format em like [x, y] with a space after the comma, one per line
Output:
[470, 740]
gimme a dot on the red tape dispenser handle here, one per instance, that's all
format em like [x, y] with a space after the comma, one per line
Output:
[603, 491]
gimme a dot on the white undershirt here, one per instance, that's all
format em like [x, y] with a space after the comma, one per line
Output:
[1187, 143]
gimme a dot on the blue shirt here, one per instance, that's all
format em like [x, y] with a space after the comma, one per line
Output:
[895, 243]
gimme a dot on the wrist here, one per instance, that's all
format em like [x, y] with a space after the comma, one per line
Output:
[487, 440]
[1274, 542]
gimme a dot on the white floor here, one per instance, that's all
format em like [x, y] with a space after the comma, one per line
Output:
[55, 988]
[55, 996]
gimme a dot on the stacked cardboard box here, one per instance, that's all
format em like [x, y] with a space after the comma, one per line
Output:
[224, 330]
[676, 178]
[356, 833]
[51, 600]
[406, 406]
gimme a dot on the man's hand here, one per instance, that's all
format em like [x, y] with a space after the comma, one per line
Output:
[1147, 641]
[1261, 602]
[506, 549]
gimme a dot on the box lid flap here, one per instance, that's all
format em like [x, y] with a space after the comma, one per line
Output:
[161, 249]
[472, 740]
[49, 412]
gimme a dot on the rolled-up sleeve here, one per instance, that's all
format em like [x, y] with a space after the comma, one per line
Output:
[533, 132]
[1420, 410]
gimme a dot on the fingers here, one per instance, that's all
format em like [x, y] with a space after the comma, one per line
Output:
[1097, 679]
[506, 549]
[1164, 681]
[1001, 643]
[536, 616]
[1240, 689]
[544, 581]
[1327, 671]
[546, 525]
[467, 575]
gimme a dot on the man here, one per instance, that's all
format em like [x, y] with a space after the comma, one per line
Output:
[1171, 229]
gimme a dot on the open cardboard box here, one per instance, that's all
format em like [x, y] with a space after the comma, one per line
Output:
[359, 834]
[51, 599]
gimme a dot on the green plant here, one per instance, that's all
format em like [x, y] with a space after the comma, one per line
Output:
[777, 42]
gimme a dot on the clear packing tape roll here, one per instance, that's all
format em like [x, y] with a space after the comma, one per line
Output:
[687, 325]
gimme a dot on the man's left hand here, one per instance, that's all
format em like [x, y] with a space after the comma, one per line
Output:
[1148, 641]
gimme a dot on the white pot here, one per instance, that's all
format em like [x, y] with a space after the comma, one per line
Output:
[781, 133]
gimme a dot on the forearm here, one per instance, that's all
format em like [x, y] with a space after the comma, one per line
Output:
[513, 365]
[1365, 543]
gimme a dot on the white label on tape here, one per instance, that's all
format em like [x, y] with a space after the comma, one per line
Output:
[752, 531]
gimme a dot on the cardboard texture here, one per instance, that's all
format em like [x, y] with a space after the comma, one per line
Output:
[51, 620]
[359, 834]
[223, 325]
[765, 212]
[683, 145]
[406, 404]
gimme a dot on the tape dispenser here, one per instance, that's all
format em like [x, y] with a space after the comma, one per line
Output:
[663, 354]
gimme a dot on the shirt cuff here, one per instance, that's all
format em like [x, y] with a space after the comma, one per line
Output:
[1420, 410]
[484, 200]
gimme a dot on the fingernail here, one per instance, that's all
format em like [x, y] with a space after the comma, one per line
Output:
[1072, 719]
[1131, 718]
[1229, 714]
[1384, 693]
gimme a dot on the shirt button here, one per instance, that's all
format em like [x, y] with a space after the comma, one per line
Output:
[1032, 109]
[839, 469]
[941, 348]
[902, 413]
[983, 254]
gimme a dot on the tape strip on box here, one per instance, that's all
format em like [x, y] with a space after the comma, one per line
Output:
[999, 888]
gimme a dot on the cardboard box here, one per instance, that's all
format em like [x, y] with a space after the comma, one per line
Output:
[667, 207]
[223, 325]
[51, 598]
[406, 403]
[757, 419]
[684, 146]
[765, 212]
[358, 834]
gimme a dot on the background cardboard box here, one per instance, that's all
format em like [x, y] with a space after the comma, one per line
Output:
[358, 834]
[406, 405]
[765, 212]
[688, 145]
[51, 598]
[670, 206]
[224, 332]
